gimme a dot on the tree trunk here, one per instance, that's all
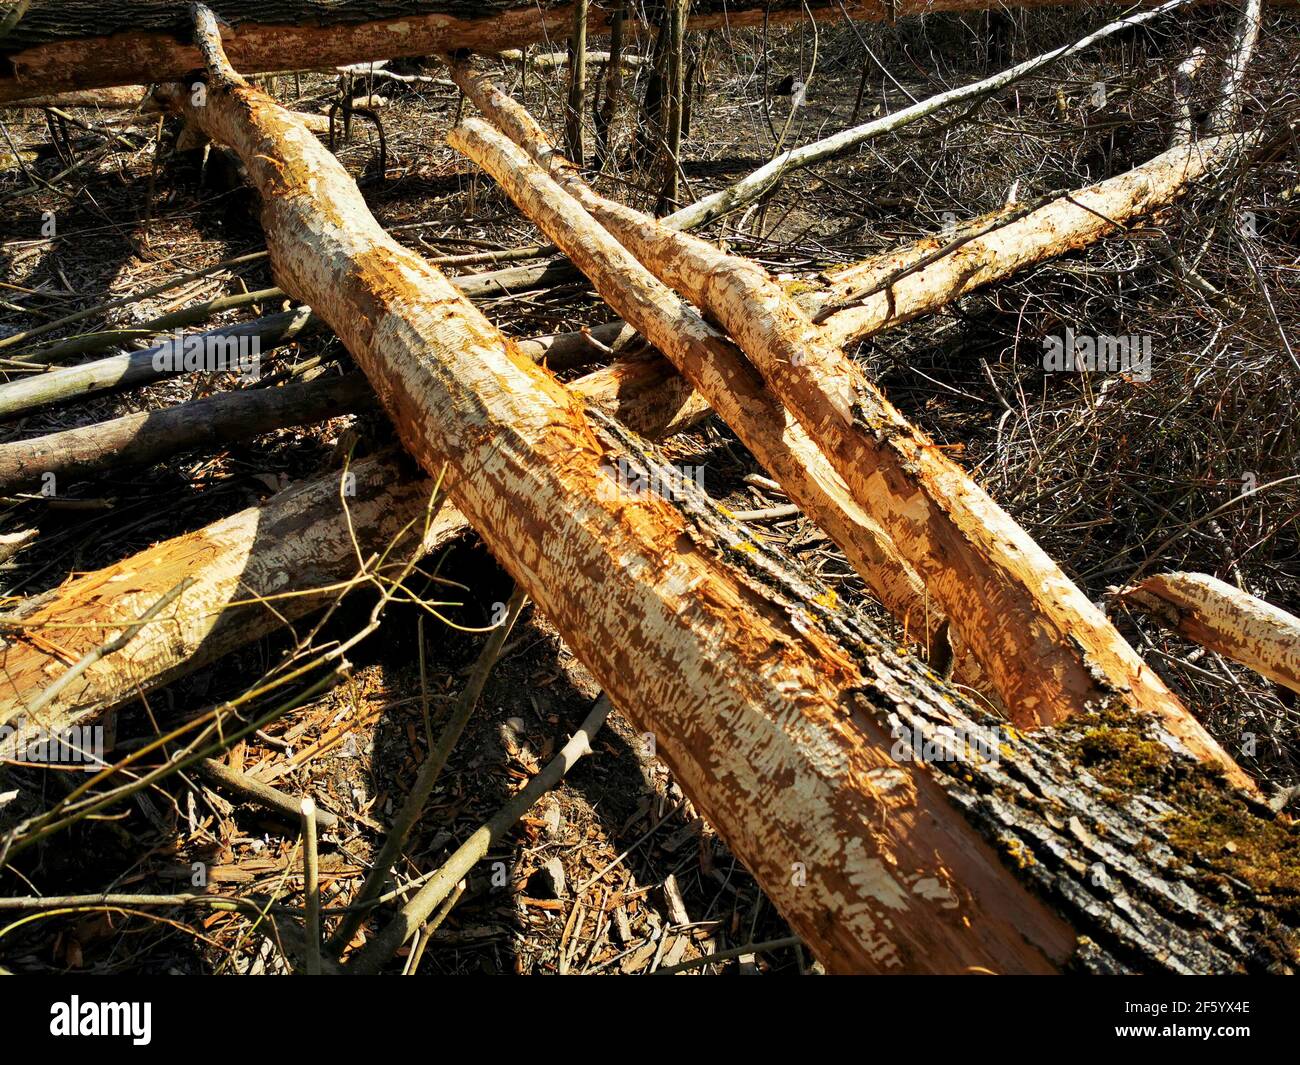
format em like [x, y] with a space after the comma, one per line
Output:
[607, 113]
[675, 78]
[1045, 648]
[775, 711]
[1224, 619]
[694, 631]
[62, 45]
[71, 383]
[729, 384]
[151, 436]
[642, 392]
[889, 289]
[577, 83]
[296, 551]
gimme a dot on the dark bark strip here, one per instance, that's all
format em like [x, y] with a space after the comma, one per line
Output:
[84, 44]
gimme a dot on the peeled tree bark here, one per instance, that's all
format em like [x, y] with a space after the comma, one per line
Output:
[1045, 648]
[250, 573]
[893, 288]
[1225, 619]
[294, 551]
[735, 391]
[82, 44]
[664, 601]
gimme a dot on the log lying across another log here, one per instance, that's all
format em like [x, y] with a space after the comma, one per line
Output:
[771, 706]
[680, 619]
[250, 573]
[1045, 648]
[1225, 619]
[895, 287]
[246, 582]
[83, 44]
[777, 712]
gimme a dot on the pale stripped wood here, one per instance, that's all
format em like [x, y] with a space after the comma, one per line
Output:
[746, 699]
[1046, 649]
[1225, 619]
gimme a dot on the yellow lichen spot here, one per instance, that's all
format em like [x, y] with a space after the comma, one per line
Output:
[744, 546]
[828, 599]
[1017, 853]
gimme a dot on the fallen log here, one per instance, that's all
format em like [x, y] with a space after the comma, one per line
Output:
[195, 313]
[890, 289]
[1131, 885]
[752, 680]
[645, 392]
[119, 97]
[236, 346]
[79, 44]
[718, 369]
[237, 559]
[260, 336]
[1045, 648]
[250, 574]
[149, 436]
[755, 185]
[1224, 619]
[739, 683]
[550, 60]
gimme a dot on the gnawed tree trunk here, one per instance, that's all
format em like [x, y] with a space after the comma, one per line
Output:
[779, 710]
[82, 44]
[1044, 647]
[731, 386]
[251, 572]
[886, 290]
[235, 560]
[664, 602]
[1225, 619]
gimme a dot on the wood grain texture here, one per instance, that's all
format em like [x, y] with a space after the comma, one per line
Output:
[1225, 619]
[1045, 648]
[62, 45]
[751, 701]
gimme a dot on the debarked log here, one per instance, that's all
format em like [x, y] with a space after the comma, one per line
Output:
[1225, 619]
[1046, 649]
[249, 574]
[775, 707]
[716, 367]
[679, 617]
[237, 559]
